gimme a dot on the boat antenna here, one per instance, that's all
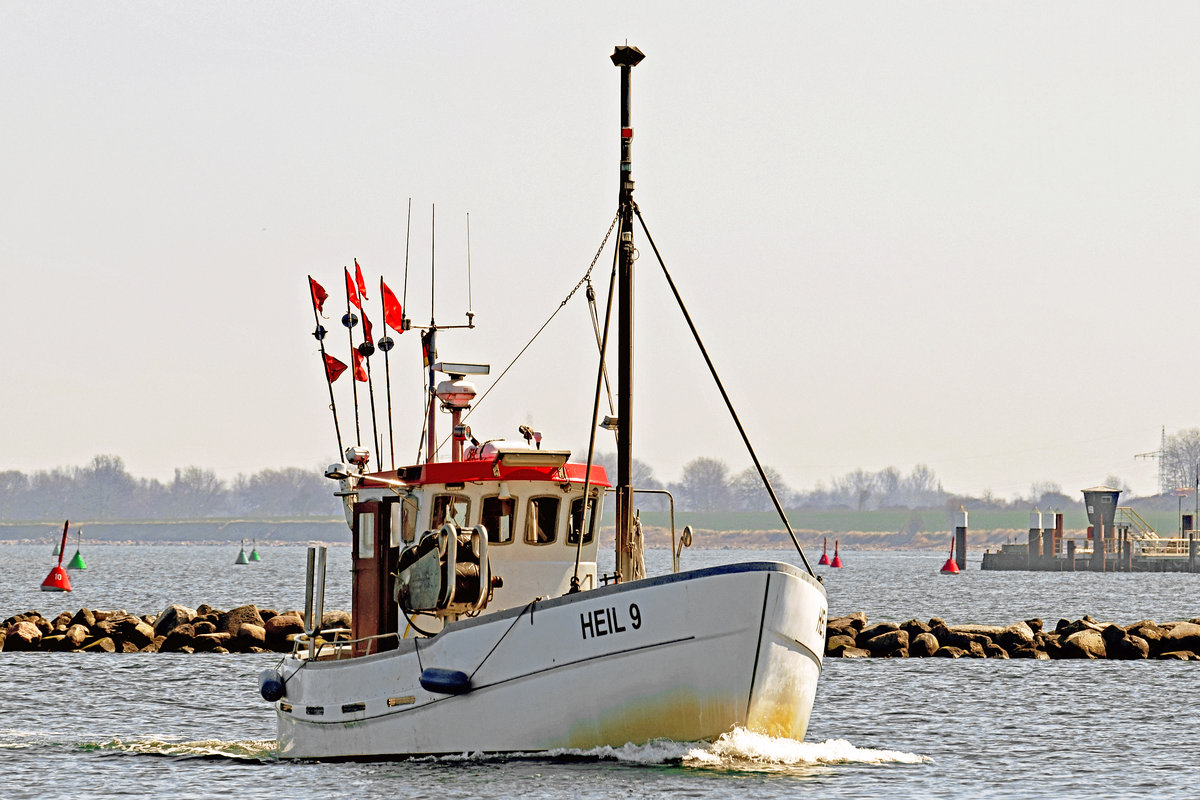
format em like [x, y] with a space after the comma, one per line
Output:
[350, 320]
[628, 565]
[470, 304]
[429, 344]
[318, 298]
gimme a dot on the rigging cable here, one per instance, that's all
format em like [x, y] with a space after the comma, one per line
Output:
[601, 380]
[728, 403]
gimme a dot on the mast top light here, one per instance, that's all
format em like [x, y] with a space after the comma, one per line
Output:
[625, 55]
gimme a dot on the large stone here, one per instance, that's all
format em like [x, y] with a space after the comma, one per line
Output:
[172, 616]
[960, 638]
[180, 637]
[102, 645]
[76, 635]
[857, 621]
[887, 644]
[209, 642]
[1066, 628]
[85, 617]
[279, 627]
[1015, 636]
[1086, 643]
[949, 651]
[871, 631]
[331, 620]
[250, 635]
[925, 644]
[1182, 636]
[855, 652]
[915, 628]
[231, 621]
[23, 636]
[836, 645]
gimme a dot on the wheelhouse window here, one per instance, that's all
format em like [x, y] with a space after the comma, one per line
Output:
[499, 518]
[403, 522]
[366, 534]
[455, 508]
[578, 522]
[541, 520]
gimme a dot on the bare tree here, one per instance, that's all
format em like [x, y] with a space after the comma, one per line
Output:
[705, 485]
[1181, 460]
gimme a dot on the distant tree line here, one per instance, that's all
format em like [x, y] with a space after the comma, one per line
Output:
[104, 489]
[708, 484]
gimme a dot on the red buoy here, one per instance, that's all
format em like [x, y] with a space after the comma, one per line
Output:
[951, 566]
[837, 560]
[824, 562]
[57, 580]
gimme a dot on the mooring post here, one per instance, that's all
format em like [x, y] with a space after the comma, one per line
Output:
[1097, 561]
[960, 538]
[1048, 549]
[1128, 545]
[1071, 554]
[1191, 551]
[1035, 538]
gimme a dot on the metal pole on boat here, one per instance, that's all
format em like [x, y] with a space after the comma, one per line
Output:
[626, 58]
[350, 320]
[319, 333]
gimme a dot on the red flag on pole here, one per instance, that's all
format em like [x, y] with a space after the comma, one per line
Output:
[333, 368]
[351, 293]
[318, 295]
[362, 286]
[367, 326]
[360, 369]
[393, 314]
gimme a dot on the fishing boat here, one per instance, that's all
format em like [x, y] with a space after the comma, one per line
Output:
[480, 622]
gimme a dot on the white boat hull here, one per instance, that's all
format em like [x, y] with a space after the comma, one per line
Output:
[684, 657]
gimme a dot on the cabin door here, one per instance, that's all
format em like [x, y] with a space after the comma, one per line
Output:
[374, 609]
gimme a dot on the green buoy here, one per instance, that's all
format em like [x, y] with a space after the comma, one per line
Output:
[241, 559]
[77, 561]
[254, 556]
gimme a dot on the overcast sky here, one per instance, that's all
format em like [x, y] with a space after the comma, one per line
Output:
[958, 234]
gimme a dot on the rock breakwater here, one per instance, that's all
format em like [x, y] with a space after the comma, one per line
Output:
[176, 629]
[851, 636]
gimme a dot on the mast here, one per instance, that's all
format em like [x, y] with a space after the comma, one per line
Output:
[626, 58]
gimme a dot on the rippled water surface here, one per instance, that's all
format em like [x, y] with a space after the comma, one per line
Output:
[193, 726]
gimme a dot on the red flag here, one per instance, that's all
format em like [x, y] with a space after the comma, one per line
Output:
[333, 368]
[360, 370]
[351, 294]
[367, 326]
[393, 314]
[362, 286]
[318, 295]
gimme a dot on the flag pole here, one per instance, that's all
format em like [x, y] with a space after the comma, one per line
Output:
[350, 320]
[319, 334]
[386, 344]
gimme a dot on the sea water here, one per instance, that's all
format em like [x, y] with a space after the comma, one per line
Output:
[184, 726]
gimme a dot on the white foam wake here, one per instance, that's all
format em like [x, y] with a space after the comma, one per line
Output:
[739, 748]
[741, 745]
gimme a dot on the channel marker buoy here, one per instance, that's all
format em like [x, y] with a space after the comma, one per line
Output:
[951, 566]
[77, 561]
[254, 556]
[241, 558]
[837, 560]
[57, 580]
[824, 562]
